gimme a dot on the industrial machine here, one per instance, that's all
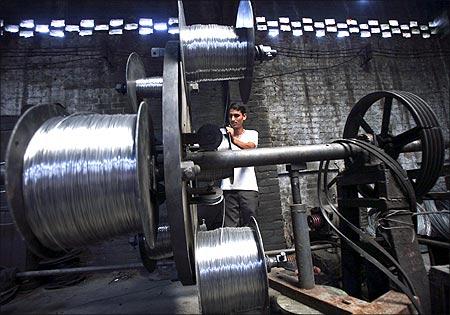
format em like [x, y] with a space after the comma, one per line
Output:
[229, 265]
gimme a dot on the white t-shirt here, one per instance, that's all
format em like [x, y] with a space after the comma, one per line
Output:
[244, 177]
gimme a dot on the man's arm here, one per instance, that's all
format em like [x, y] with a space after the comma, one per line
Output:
[242, 144]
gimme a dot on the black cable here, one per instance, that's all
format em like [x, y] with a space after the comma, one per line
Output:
[362, 252]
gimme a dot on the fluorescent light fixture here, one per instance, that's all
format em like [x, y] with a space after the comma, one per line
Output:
[85, 32]
[285, 28]
[272, 23]
[57, 33]
[284, 20]
[27, 24]
[424, 27]
[131, 26]
[160, 26]
[260, 19]
[145, 22]
[2, 23]
[172, 21]
[434, 31]
[404, 27]
[58, 23]
[363, 26]
[426, 35]
[330, 21]
[116, 22]
[415, 31]
[173, 30]
[372, 22]
[396, 30]
[319, 24]
[386, 35]
[87, 23]
[353, 29]
[273, 32]
[117, 31]
[343, 34]
[297, 32]
[331, 29]
[393, 22]
[352, 22]
[261, 27]
[413, 24]
[365, 34]
[320, 33]
[12, 28]
[72, 28]
[342, 25]
[406, 35]
[101, 27]
[307, 20]
[145, 30]
[26, 34]
[385, 27]
[308, 28]
[42, 28]
[434, 23]
[296, 24]
[375, 30]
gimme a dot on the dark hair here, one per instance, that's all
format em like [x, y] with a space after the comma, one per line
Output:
[238, 107]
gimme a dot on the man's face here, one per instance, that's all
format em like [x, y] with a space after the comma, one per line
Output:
[236, 118]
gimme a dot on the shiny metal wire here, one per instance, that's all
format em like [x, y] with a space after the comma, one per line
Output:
[149, 87]
[213, 53]
[231, 273]
[79, 180]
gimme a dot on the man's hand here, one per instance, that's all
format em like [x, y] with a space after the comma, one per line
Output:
[230, 131]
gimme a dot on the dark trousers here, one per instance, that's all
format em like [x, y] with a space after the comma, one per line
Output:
[240, 205]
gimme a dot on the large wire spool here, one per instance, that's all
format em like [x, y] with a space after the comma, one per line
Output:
[217, 53]
[426, 129]
[231, 270]
[73, 180]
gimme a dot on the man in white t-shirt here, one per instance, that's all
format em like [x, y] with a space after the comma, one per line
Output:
[241, 195]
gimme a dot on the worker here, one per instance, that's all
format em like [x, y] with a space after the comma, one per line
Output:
[240, 194]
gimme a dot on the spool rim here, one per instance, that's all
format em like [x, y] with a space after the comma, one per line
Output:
[245, 20]
[144, 174]
[135, 70]
[21, 136]
[254, 226]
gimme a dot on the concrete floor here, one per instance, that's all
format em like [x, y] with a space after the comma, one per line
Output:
[124, 292]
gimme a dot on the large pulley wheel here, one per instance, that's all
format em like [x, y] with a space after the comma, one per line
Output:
[419, 123]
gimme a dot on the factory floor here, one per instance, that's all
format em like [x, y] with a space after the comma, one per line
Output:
[124, 292]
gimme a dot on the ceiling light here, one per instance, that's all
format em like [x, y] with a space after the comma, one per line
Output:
[363, 26]
[415, 31]
[307, 20]
[272, 23]
[172, 21]
[331, 29]
[261, 27]
[426, 35]
[12, 28]
[343, 34]
[57, 23]
[386, 34]
[297, 32]
[330, 21]
[353, 29]
[85, 32]
[273, 32]
[319, 24]
[145, 30]
[372, 22]
[404, 27]
[57, 33]
[424, 27]
[375, 30]
[116, 22]
[285, 28]
[284, 20]
[260, 19]
[393, 22]
[342, 25]
[296, 24]
[365, 34]
[72, 28]
[101, 27]
[352, 22]
[384, 27]
[174, 30]
[308, 28]
[320, 33]
[131, 26]
[413, 24]
[406, 35]
[161, 26]
[26, 34]
[117, 31]
[396, 30]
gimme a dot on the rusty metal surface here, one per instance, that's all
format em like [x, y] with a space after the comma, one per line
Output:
[326, 300]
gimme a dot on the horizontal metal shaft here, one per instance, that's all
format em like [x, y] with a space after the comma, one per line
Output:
[279, 155]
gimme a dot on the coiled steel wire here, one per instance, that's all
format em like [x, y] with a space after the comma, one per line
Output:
[231, 272]
[79, 180]
[213, 53]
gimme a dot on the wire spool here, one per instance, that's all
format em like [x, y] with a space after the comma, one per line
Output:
[217, 53]
[138, 85]
[231, 270]
[84, 178]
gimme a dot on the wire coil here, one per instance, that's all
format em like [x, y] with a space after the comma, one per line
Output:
[231, 271]
[79, 180]
[213, 53]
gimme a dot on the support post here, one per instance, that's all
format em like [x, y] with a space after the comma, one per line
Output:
[301, 231]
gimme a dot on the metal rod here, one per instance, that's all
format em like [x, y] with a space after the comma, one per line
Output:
[88, 269]
[279, 155]
[292, 250]
[301, 232]
[433, 242]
